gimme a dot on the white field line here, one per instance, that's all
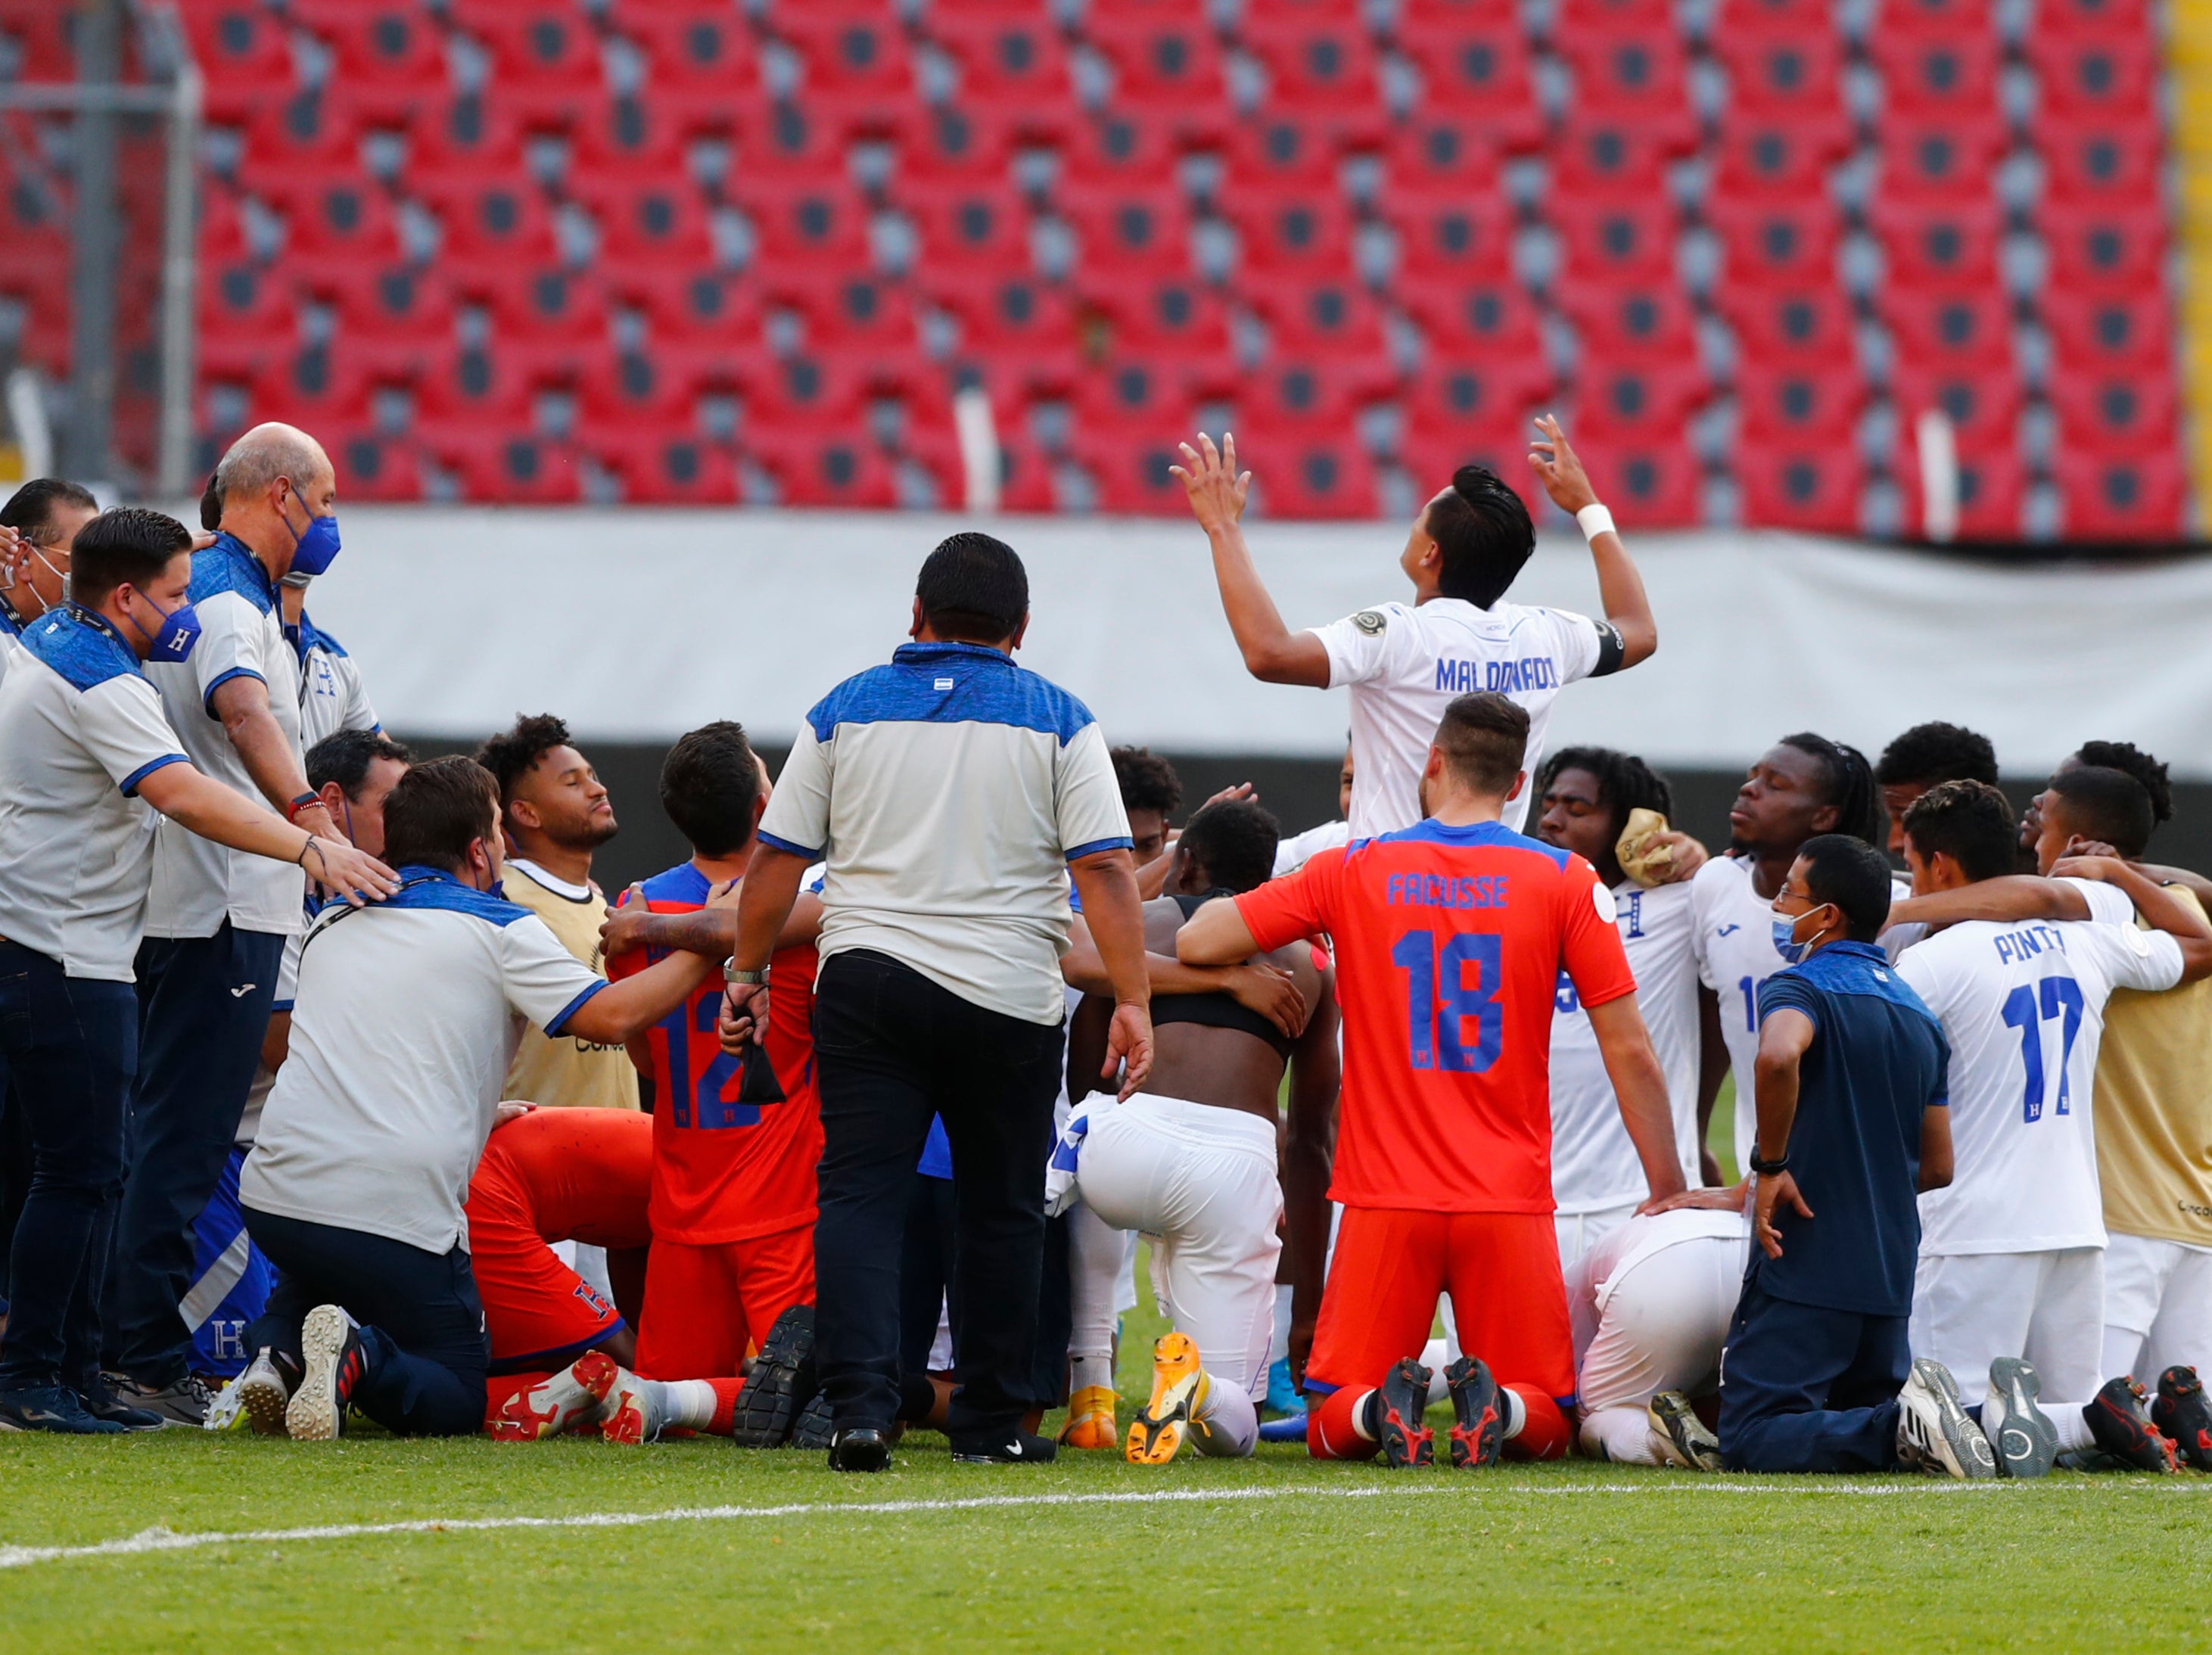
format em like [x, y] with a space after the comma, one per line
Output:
[159, 1539]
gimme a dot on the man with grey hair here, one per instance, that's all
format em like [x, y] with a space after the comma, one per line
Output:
[218, 919]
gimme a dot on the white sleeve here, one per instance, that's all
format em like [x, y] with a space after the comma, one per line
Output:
[1575, 643]
[1916, 966]
[542, 979]
[798, 815]
[1359, 646]
[2108, 903]
[359, 713]
[121, 724]
[1086, 798]
[233, 636]
[2133, 958]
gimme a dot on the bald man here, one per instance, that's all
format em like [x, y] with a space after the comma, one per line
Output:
[218, 919]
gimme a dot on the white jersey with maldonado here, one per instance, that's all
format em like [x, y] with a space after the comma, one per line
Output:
[1405, 663]
[2023, 1007]
[1594, 1163]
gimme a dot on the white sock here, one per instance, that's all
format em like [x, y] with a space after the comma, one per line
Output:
[1514, 1411]
[1228, 1425]
[1359, 1418]
[686, 1404]
[1089, 1370]
[1434, 1359]
[2074, 1433]
[1279, 1346]
[1623, 1435]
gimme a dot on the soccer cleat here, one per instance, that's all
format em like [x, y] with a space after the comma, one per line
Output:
[561, 1402]
[1013, 1446]
[2020, 1432]
[2179, 1413]
[1090, 1419]
[812, 1428]
[632, 1410]
[1682, 1438]
[2122, 1429]
[52, 1408]
[1283, 1396]
[1934, 1434]
[1395, 1410]
[104, 1404]
[863, 1448]
[334, 1364]
[262, 1394]
[780, 1383]
[1478, 1432]
[1179, 1391]
[185, 1402]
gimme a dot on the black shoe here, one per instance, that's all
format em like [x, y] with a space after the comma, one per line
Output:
[1394, 1416]
[781, 1384]
[1013, 1446]
[1478, 1433]
[813, 1429]
[2181, 1416]
[52, 1408]
[863, 1448]
[104, 1404]
[2124, 1430]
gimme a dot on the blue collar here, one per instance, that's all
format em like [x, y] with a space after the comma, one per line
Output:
[922, 655]
[1854, 950]
[241, 566]
[417, 872]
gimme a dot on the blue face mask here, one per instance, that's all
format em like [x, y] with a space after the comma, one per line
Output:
[179, 631]
[1785, 930]
[316, 549]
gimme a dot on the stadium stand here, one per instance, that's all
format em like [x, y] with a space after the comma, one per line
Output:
[1744, 245]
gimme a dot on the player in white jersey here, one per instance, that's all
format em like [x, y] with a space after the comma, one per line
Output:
[1299, 849]
[1405, 662]
[2010, 1283]
[1803, 786]
[1586, 794]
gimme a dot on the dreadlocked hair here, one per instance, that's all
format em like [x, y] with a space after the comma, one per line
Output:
[1851, 787]
[1625, 782]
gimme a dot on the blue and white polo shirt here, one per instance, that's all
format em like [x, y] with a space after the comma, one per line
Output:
[332, 695]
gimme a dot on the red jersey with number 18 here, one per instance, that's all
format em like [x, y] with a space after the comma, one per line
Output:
[1449, 943]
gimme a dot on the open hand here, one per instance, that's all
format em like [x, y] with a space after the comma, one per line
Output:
[1773, 1191]
[1271, 991]
[1209, 476]
[344, 873]
[1560, 467]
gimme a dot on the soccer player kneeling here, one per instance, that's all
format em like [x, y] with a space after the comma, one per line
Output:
[1450, 936]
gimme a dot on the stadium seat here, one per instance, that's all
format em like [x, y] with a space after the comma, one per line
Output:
[697, 50]
[826, 468]
[502, 467]
[1813, 487]
[1449, 236]
[542, 52]
[800, 220]
[540, 318]
[1984, 405]
[1801, 324]
[1486, 401]
[1811, 17]
[1128, 390]
[660, 468]
[1276, 153]
[1784, 72]
[790, 141]
[1619, 403]
[1635, 74]
[1946, 157]
[1286, 235]
[1026, 479]
[310, 387]
[1969, 329]
[1322, 68]
[1114, 151]
[1654, 483]
[956, 147]
[1646, 323]
[1776, 157]
[1474, 62]
[2105, 78]
[389, 320]
[647, 217]
[238, 300]
[1333, 321]
[1934, 76]
[2123, 496]
[2110, 164]
[810, 391]
[465, 135]
[1595, 14]
[1944, 19]
[1992, 488]
[857, 314]
[979, 226]
[496, 218]
[1939, 244]
[242, 50]
[858, 69]
[1608, 159]
[1017, 334]
[1629, 241]
[1167, 68]
[1179, 316]
[1307, 474]
[1130, 231]
[692, 313]
[1128, 467]
[1466, 319]
[2104, 247]
[1799, 406]
[340, 221]
[472, 387]
[1777, 240]
[650, 134]
[308, 135]
[373, 467]
[2110, 332]
[390, 54]
[1012, 62]
[637, 390]
[2118, 413]
[2093, 16]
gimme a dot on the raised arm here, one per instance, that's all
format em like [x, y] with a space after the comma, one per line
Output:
[1620, 587]
[2007, 898]
[1640, 1086]
[2157, 906]
[1273, 653]
[712, 931]
[621, 1011]
[215, 812]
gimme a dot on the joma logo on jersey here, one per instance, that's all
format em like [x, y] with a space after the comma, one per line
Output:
[1506, 677]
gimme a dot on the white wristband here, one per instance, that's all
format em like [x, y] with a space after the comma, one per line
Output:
[1594, 520]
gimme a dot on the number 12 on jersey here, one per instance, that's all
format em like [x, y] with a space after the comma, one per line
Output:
[2057, 998]
[1439, 1000]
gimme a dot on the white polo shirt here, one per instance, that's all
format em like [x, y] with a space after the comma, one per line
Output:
[332, 695]
[1594, 1163]
[197, 883]
[947, 792]
[406, 1015]
[2023, 1008]
[1405, 663]
[80, 727]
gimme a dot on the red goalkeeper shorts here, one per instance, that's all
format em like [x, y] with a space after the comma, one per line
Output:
[705, 1305]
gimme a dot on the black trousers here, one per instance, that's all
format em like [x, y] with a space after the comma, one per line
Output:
[422, 1323]
[892, 1049]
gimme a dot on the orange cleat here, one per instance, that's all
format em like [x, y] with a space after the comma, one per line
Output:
[1090, 1419]
[1179, 1392]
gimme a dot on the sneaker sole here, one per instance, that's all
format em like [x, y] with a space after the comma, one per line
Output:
[2027, 1442]
[264, 1406]
[769, 1403]
[312, 1414]
[1672, 1416]
[1964, 1451]
[1408, 1443]
[1156, 1434]
[1473, 1391]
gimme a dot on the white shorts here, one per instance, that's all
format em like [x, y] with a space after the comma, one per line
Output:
[1203, 1180]
[2158, 1307]
[1650, 1307]
[1580, 1231]
[1969, 1309]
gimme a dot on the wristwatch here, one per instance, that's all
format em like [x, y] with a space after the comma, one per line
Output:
[732, 974]
[1768, 1169]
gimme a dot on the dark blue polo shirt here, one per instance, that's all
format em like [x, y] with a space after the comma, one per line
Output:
[1876, 1062]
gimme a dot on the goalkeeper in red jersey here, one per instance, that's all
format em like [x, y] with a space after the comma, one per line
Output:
[1450, 939]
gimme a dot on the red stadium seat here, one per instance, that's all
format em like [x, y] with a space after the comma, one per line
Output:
[1799, 406]
[1335, 321]
[314, 386]
[1139, 391]
[1627, 241]
[1017, 334]
[1968, 329]
[1130, 230]
[1027, 479]
[373, 467]
[1934, 76]
[2110, 165]
[804, 221]
[647, 217]
[698, 50]
[505, 468]
[1474, 60]
[631, 390]
[1180, 316]
[664, 468]
[1777, 156]
[1646, 323]
[1482, 400]
[791, 141]
[1810, 486]
[238, 301]
[244, 55]
[1277, 153]
[695, 312]
[1984, 406]
[473, 388]
[1595, 14]
[1992, 488]
[1441, 153]
[1307, 476]
[309, 134]
[1936, 244]
[1458, 237]
[462, 135]
[1128, 467]
[1633, 74]
[494, 218]
[2106, 77]
[1786, 72]
[2103, 17]
[389, 320]
[954, 146]
[1461, 319]
[540, 317]
[1322, 68]
[2116, 413]
[856, 314]
[1740, 16]
[1949, 157]
[1779, 241]
[1290, 234]
[1801, 324]
[1167, 67]
[390, 54]
[2110, 332]
[979, 226]
[1012, 62]
[542, 52]
[2124, 497]
[2094, 247]
[1944, 19]
[1650, 483]
[340, 221]
[1609, 159]
[858, 68]
[1621, 403]
[630, 135]
[827, 468]
[1116, 151]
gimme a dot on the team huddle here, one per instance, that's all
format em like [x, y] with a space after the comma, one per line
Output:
[334, 1079]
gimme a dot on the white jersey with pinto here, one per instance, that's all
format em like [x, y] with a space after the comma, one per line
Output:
[1405, 663]
[1594, 1163]
[2023, 1007]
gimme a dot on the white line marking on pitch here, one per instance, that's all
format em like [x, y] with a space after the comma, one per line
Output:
[165, 1540]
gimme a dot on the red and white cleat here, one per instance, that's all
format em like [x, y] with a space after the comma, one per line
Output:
[564, 1402]
[634, 1413]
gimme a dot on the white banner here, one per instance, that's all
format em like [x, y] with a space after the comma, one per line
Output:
[638, 624]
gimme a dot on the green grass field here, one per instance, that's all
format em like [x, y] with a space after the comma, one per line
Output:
[696, 1545]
